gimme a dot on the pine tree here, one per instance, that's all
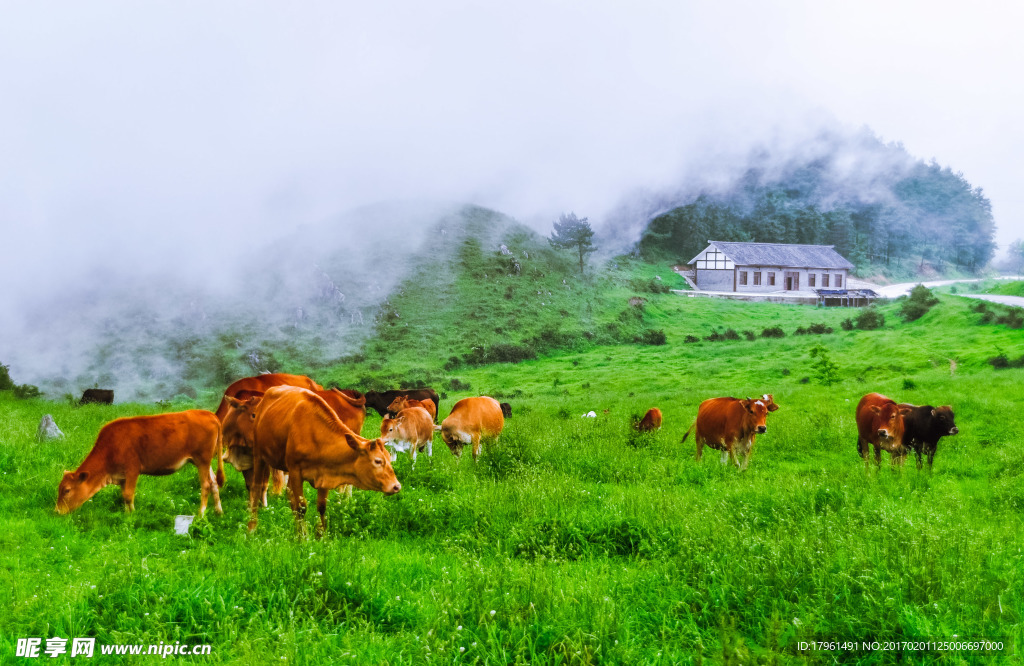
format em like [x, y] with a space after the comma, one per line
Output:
[573, 233]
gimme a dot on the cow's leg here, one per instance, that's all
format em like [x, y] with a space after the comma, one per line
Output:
[208, 473]
[725, 457]
[413, 448]
[476, 447]
[128, 489]
[258, 490]
[279, 483]
[430, 446]
[321, 508]
[930, 452]
[298, 501]
[878, 456]
[205, 479]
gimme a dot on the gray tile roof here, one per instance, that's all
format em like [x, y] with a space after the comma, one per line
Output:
[782, 254]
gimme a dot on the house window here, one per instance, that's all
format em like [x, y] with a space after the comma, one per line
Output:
[771, 279]
[743, 277]
[757, 278]
[810, 279]
[824, 280]
[839, 281]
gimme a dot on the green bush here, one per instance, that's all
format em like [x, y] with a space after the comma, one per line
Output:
[651, 337]
[773, 332]
[5, 378]
[918, 303]
[869, 319]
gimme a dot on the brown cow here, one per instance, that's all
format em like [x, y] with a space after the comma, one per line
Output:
[261, 383]
[412, 430]
[297, 432]
[248, 387]
[404, 402]
[650, 422]
[100, 396]
[470, 420]
[154, 445]
[730, 425]
[880, 424]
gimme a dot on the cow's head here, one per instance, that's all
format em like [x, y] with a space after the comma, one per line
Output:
[398, 404]
[769, 402]
[389, 428]
[759, 411]
[75, 488]
[240, 421]
[887, 423]
[372, 467]
[942, 421]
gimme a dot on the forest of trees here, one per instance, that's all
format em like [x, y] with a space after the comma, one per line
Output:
[891, 220]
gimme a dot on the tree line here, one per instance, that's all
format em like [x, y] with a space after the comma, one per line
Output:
[920, 213]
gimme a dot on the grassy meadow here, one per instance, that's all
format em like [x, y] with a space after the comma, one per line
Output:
[574, 540]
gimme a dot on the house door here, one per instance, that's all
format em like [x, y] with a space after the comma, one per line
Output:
[792, 281]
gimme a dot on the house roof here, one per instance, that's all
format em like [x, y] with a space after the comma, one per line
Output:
[780, 254]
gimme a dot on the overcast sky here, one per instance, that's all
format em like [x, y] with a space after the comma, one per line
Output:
[149, 135]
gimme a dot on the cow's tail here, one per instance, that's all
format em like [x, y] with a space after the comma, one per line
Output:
[688, 432]
[219, 452]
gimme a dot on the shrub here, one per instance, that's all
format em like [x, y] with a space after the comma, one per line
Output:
[730, 334]
[651, 337]
[456, 384]
[869, 319]
[24, 391]
[825, 369]
[691, 338]
[909, 385]
[1012, 319]
[918, 303]
[750, 335]
[846, 324]
[1001, 362]
[773, 332]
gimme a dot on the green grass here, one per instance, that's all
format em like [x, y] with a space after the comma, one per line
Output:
[1014, 288]
[589, 543]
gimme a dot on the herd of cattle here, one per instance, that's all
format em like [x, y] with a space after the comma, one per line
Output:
[287, 428]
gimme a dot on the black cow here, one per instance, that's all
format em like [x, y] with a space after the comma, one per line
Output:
[102, 396]
[506, 409]
[924, 426]
[382, 400]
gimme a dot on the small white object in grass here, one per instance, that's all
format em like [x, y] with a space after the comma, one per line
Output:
[493, 612]
[181, 524]
[590, 415]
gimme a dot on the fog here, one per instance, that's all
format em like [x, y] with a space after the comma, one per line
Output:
[156, 151]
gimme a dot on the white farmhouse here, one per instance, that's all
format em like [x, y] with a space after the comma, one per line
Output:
[767, 267]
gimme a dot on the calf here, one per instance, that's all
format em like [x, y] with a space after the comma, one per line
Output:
[404, 402]
[880, 424]
[924, 426]
[471, 420]
[154, 445]
[730, 425]
[650, 422]
[412, 430]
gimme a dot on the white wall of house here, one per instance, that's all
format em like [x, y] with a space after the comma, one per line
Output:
[804, 275]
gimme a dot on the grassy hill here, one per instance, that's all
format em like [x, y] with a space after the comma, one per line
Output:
[572, 540]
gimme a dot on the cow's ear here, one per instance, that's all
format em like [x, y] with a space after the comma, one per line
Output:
[82, 476]
[875, 409]
[748, 405]
[234, 402]
[906, 411]
[935, 412]
[357, 443]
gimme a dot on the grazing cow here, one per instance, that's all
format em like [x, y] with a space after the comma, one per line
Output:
[730, 425]
[261, 383]
[404, 402]
[383, 399]
[651, 421]
[506, 409]
[924, 426]
[880, 424]
[154, 445]
[470, 420]
[101, 396]
[412, 430]
[297, 432]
